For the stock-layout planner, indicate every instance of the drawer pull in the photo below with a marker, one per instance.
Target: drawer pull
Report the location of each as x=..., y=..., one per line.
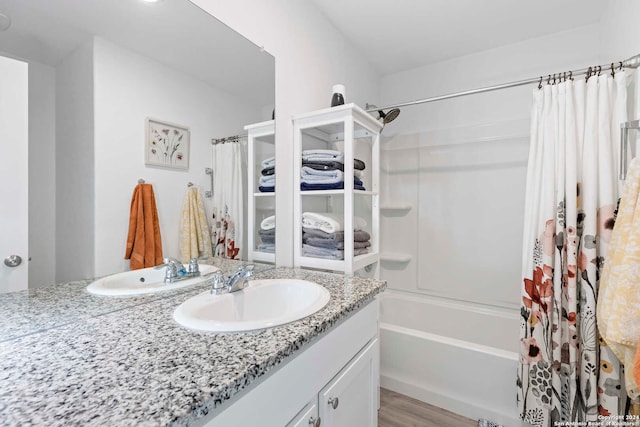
x=315, y=422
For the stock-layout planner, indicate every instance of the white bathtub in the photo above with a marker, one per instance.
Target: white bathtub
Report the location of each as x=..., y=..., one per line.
x=454, y=355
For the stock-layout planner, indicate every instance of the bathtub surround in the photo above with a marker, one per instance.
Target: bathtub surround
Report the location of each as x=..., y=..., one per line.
x=135, y=366
x=571, y=196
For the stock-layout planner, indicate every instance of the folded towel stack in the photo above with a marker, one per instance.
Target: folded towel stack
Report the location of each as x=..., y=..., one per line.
x=267, y=182
x=267, y=234
x=323, y=170
x=323, y=236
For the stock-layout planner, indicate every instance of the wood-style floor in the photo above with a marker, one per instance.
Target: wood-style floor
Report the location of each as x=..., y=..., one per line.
x=398, y=410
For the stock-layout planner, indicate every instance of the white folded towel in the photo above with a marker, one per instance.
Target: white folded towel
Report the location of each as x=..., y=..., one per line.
x=268, y=223
x=267, y=163
x=329, y=223
x=313, y=176
x=333, y=155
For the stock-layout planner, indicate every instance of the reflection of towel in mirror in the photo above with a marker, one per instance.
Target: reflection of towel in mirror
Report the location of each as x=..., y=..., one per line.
x=144, y=244
x=332, y=244
x=316, y=252
x=268, y=171
x=338, y=236
x=268, y=223
x=267, y=247
x=267, y=236
x=329, y=223
x=267, y=181
x=267, y=163
x=195, y=238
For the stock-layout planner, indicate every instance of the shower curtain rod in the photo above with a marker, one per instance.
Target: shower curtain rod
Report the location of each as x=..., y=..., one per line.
x=632, y=62
x=234, y=138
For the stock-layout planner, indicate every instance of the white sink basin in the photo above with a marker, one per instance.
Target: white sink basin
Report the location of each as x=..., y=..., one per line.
x=142, y=281
x=262, y=304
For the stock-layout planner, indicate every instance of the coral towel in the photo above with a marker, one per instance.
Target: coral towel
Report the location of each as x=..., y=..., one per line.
x=144, y=244
x=195, y=239
x=618, y=297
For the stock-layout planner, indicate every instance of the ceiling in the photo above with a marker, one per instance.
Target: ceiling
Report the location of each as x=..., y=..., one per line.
x=403, y=34
x=176, y=33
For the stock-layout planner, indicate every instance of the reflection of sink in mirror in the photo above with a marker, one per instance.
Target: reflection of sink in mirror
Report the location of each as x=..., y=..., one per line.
x=262, y=304
x=143, y=281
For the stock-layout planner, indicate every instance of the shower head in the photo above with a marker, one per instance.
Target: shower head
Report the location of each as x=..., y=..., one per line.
x=389, y=116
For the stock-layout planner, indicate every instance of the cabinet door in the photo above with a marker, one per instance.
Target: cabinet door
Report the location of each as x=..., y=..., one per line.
x=308, y=417
x=349, y=400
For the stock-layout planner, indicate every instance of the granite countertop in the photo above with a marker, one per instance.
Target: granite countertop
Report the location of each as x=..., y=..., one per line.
x=131, y=364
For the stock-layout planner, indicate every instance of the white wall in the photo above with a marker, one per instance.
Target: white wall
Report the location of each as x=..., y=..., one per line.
x=129, y=88
x=311, y=56
x=74, y=166
x=42, y=174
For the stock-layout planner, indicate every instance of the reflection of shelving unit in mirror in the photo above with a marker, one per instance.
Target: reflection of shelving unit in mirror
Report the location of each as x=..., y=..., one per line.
x=351, y=133
x=261, y=207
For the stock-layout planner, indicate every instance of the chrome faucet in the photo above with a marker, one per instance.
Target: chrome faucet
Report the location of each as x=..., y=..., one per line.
x=233, y=283
x=175, y=270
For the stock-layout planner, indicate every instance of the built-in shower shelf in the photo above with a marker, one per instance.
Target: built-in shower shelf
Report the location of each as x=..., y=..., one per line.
x=395, y=257
x=395, y=209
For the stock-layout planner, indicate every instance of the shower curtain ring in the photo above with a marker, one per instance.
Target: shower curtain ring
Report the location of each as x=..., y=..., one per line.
x=540, y=83
x=549, y=79
x=570, y=75
x=589, y=71
x=599, y=69
x=613, y=72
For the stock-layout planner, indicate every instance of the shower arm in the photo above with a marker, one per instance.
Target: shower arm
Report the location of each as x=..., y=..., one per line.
x=632, y=62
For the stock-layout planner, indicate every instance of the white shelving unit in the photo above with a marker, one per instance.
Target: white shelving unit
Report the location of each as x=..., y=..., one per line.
x=260, y=146
x=351, y=130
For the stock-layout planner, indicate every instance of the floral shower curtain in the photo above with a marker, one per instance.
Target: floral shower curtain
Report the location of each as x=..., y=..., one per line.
x=566, y=372
x=229, y=162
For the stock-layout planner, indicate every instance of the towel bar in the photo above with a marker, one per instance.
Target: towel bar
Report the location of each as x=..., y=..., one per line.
x=624, y=143
x=209, y=171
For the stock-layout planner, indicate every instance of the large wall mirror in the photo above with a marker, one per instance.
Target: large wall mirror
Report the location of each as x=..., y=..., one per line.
x=97, y=70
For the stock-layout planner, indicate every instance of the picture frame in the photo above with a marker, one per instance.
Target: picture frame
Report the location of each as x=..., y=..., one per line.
x=166, y=144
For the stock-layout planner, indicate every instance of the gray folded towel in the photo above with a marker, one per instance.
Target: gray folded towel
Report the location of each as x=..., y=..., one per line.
x=336, y=254
x=338, y=236
x=332, y=244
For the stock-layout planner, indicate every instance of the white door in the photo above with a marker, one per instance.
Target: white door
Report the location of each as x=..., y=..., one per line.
x=14, y=175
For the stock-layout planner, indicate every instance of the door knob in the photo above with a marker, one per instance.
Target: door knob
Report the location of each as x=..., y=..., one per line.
x=13, y=261
x=333, y=402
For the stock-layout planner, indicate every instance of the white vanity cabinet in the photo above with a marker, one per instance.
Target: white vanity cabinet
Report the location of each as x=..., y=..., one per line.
x=340, y=369
x=260, y=146
x=354, y=134
x=350, y=399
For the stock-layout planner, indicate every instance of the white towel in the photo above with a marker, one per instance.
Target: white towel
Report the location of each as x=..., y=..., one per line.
x=313, y=176
x=329, y=223
x=333, y=155
x=267, y=163
x=269, y=223
x=267, y=181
